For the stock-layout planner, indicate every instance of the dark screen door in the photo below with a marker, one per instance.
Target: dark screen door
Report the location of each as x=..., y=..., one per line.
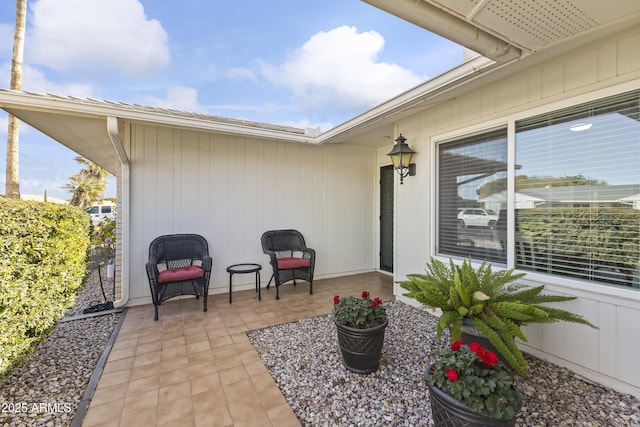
x=386, y=218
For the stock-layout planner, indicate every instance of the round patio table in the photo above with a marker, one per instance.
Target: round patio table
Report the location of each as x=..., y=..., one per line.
x=242, y=269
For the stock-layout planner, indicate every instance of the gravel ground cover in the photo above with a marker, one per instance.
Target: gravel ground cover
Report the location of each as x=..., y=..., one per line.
x=304, y=359
x=48, y=388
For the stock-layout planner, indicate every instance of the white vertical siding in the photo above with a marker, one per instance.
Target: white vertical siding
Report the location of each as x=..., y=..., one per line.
x=608, y=354
x=231, y=189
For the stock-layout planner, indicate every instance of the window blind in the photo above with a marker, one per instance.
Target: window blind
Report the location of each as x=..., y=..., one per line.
x=472, y=173
x=578, y=191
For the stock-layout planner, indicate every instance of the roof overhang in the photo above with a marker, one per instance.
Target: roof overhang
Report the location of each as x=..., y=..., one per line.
x=89, y=127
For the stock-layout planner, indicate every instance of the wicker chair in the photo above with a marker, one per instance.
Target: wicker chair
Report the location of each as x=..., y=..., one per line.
x=179, y=264
x=290, y=257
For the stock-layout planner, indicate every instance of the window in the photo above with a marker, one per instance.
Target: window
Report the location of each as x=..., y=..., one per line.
x=472, y=177
x=577, y=193
x=577, y=199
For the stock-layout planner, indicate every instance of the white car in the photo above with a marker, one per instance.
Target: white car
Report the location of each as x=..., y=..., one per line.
x=477, y=217
x=99, y=212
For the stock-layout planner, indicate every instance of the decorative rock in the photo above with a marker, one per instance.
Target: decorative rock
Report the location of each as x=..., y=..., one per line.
x=397, y=395
x=49, y=386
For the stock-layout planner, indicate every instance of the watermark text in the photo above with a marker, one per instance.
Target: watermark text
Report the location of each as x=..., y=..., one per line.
x=36, y=407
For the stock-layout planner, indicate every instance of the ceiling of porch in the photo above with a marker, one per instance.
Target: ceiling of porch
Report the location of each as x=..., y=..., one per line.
x=536, y=25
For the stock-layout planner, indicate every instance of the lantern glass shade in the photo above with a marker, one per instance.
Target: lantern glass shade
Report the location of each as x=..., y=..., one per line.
x=401, y=156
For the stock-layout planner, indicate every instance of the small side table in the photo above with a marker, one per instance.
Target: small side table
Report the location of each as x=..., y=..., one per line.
x=242, y=269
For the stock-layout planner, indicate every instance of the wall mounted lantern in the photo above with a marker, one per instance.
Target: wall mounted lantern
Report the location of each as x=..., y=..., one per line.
x=401, y=156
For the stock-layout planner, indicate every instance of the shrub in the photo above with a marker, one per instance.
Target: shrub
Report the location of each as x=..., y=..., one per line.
x=43, y=264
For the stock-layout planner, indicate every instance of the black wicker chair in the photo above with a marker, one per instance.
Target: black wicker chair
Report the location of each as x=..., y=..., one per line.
x=179, y=264
x=290, y=257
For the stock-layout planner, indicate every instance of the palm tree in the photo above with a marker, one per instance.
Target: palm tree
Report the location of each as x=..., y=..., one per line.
x=92, y=170
x=82, y=189
x=88, y=185
x=12, y=185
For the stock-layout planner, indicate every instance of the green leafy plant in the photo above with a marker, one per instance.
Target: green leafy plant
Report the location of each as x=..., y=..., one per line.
x=43, y=264
x=495, y=305
x=103, y=239
x=361, y=313
x=477, y=379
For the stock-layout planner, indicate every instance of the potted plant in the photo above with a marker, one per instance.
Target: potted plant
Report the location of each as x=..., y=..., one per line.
x=488, y=302
x=470, y=386
x=360, y=323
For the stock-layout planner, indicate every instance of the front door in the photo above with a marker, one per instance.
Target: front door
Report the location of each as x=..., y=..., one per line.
x=386, y=218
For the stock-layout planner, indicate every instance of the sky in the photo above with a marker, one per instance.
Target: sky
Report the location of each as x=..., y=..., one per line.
x=311, y=64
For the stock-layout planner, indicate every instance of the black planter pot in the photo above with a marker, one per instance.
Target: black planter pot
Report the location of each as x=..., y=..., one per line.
x=361, y=348
x=471, y=334
x=449, y=412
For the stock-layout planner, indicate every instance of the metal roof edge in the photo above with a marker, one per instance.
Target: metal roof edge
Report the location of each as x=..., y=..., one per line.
x=88, y=107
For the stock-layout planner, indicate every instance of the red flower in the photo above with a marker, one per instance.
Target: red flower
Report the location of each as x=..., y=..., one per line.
x=456, y=345
x=452, y=374
x=336, y=299
x=490, y=359
x=477, y=349
x=365, y=294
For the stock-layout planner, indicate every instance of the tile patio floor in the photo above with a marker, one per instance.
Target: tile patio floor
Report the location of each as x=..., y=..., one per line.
x=198, y=369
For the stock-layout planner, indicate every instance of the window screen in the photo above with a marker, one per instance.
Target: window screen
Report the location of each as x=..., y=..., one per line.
x=578, y=191
x=472, y=184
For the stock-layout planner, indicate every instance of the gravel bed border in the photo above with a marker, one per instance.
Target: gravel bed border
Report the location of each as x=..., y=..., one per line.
x=304, y=359
x=54, y=386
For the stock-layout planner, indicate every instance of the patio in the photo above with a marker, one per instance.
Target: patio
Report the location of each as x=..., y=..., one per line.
x=198, y=369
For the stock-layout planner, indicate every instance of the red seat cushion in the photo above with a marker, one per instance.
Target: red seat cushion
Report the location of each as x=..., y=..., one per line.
x=287, y=263
x=179, y=274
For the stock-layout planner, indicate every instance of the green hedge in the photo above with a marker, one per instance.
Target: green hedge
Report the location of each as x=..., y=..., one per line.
x=42, y=266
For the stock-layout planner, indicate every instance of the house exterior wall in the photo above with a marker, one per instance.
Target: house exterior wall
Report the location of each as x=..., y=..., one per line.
x=230, y=189
x=604, y=68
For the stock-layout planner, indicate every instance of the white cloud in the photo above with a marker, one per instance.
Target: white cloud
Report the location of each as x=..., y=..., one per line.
x=340, y=67
x=54, y=187
x=96, y=36
x=239, y=73
x=34, y=80
x=178, y=98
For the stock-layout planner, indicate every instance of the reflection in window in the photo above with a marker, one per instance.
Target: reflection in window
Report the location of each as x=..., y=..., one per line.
x=578, y=191
x=472, y=175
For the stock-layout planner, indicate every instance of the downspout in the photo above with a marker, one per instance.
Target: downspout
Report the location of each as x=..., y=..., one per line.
x=437, y=21
x=123, y=211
